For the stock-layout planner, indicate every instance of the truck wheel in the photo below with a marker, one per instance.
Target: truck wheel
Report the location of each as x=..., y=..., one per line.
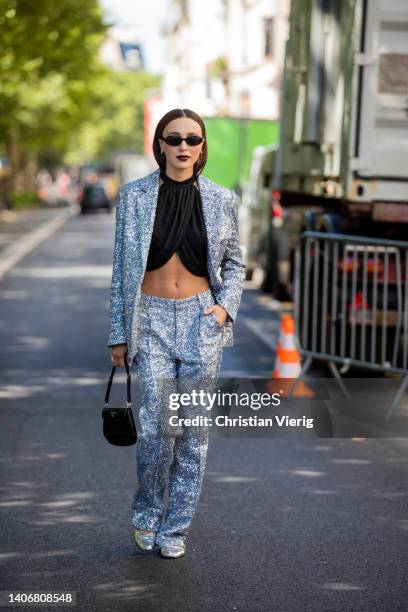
x=308, y=222
x=330, y=223
x=270, y=268
x=249, y=273
x=276, y=252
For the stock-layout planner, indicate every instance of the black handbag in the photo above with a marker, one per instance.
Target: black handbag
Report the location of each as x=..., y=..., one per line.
x=118, y=424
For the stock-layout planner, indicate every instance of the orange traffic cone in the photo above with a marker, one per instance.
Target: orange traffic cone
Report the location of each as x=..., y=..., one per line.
x=288, y=362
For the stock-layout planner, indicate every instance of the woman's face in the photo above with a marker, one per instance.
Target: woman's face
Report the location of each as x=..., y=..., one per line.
x=182, y=126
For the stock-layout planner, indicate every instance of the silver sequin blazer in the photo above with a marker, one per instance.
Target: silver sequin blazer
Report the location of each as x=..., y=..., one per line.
x=135, y=214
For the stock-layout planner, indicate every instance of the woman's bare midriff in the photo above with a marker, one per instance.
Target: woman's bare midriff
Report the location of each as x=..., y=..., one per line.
x=173, y=280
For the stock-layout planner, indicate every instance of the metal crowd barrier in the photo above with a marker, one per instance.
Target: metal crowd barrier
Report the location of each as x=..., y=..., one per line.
x=351, y=304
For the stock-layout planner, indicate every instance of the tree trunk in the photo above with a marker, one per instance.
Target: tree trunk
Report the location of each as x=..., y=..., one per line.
x=15, y=159
x=31, y=170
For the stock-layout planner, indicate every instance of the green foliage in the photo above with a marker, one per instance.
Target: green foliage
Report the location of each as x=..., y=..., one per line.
x=219, y=66
x=25, y=200
x=115, y=121
x=44, y=44
x=56, y=98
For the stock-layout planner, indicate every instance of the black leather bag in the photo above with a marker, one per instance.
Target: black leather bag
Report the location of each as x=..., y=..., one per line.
x=118, y=424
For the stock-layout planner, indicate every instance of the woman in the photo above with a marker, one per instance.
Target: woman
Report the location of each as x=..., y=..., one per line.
x=171, y=315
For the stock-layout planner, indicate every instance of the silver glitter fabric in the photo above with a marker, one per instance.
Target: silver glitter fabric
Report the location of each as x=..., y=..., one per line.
x=178, y=345
x=135, y=214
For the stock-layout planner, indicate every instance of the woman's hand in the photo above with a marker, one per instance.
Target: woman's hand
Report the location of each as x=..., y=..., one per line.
x=118, y=353
x=222, y=313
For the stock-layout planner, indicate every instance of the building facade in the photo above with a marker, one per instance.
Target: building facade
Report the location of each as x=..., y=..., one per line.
x=225, y=57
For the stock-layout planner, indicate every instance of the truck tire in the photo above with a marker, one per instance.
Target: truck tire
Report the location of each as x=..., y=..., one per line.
x=276, y=251
x=330, y=223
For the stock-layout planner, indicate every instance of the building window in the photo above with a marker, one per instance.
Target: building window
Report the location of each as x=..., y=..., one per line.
x=208, y=88
x=268, y=36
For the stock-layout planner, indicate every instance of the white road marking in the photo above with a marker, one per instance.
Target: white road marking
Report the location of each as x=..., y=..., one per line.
x=16, y=251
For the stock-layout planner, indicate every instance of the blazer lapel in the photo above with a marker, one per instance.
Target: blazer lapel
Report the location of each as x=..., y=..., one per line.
x=211, y=218
x=147, y=202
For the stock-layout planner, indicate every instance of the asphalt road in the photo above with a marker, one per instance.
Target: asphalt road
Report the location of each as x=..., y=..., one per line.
x=283, y=525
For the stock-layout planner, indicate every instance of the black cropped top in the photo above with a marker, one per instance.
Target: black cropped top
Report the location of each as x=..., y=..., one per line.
x=179, y=227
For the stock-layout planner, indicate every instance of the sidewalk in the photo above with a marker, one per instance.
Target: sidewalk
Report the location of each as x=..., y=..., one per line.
x=21, y=231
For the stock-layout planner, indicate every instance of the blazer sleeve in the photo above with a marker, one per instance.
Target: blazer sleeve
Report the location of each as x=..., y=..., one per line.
x=117, y=328
x=232, y=266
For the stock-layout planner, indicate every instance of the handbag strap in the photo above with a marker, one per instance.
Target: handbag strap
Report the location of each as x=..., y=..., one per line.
x=128, y=382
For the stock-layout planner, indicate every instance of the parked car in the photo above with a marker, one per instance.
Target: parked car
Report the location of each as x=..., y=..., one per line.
x=94, y=196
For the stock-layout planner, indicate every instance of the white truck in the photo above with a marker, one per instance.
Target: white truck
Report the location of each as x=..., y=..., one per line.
x=342, y=161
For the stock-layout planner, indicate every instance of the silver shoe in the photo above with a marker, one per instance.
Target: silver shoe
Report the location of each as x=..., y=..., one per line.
x=173, y=551
x=145, y=541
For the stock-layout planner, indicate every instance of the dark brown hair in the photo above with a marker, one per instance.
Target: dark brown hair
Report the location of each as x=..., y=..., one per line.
x=175, y=114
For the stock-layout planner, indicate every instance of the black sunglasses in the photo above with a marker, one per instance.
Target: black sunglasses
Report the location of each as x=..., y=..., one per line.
x=174, y=140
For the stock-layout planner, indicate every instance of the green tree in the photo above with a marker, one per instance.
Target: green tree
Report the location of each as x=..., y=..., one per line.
x=116, y=118
x=48, y=63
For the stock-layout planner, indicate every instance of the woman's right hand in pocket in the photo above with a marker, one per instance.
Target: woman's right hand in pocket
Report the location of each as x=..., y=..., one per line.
x=119, y=354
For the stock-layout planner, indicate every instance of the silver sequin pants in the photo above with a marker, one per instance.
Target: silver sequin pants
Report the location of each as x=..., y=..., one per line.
x=178, y=346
